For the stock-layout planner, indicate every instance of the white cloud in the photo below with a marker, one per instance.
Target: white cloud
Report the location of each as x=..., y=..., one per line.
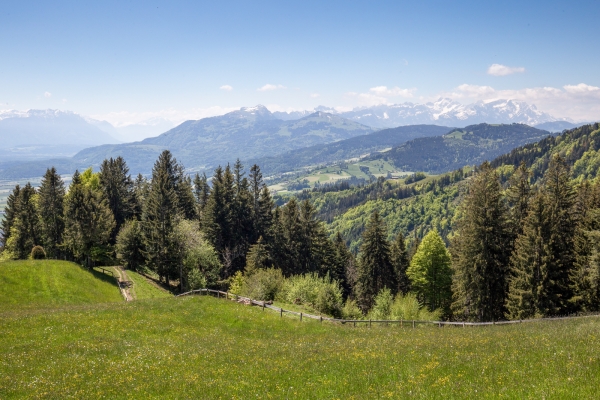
x=227, y=88
x=315, y=95
x=579, y=102
x=381, y=95
x=47, y=94
x=503, y=70
x=268, y=87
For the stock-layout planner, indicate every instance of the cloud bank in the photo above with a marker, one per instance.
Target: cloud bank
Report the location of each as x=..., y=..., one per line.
x=503, y=70
x=269, y=87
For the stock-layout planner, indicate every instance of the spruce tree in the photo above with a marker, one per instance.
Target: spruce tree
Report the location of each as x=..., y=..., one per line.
x=400, y=261
x=342, y=263
x=482, y=251
x=118, y=189
x=88, y=222
x=161, y=211
x=51, y=212
x=201, y=192
x=258, y=257
x=430, y=273
x=518, y=195
x=25, y=230
x=130, y=245
x=375, y=270
x=10, y=211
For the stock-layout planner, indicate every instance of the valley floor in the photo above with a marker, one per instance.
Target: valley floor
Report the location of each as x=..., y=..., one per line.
x=201, y=347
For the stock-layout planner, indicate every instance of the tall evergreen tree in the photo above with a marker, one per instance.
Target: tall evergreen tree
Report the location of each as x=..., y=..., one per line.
x=544, y=257
x=51, y=212
x=375, y=270
x=518, y=195
x=201, y=191
x=400, y=261
x=25, y=231
x=118, y=189
x=88, y=222
x=482, y=251
x=10, y=211
x=161, y=211
x=430, y=273
x=344, y=262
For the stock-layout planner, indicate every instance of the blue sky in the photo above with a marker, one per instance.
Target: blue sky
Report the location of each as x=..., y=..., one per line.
x=128, y=61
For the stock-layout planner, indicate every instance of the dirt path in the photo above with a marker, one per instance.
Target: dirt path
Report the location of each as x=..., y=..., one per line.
x=125, y=283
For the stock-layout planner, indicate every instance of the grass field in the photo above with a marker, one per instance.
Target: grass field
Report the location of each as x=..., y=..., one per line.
x=143, y=289
x=201, y=347
x=45, y=284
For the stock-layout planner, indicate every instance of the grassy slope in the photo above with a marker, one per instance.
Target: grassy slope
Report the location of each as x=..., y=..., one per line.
x=144, y=289
x=48, y=283
x=199, y=347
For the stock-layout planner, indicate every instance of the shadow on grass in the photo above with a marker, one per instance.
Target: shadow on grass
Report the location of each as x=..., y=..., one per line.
x=103, y=276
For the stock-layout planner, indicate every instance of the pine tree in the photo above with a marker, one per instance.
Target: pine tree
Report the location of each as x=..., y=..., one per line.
x=201, y=191
x=140, y=192
x=10, y=210
x=482, y=251
x=375, y=270
x=400, y=261
x=529, y=262
x=430, y=273
x=258, y=257
x=130, y=245
x=88, y=221
x=161, y=211
x=51, y=212
x=342, y=263
x=242, y=218
x=544, y=258
x=25, y=230
x=118, y=189
x=518, y=195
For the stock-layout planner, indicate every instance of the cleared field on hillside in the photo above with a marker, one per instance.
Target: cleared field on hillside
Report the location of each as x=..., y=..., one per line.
x=49, y=283
x=201, y=347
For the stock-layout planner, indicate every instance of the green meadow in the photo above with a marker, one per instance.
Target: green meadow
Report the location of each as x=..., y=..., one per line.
x=69, y=346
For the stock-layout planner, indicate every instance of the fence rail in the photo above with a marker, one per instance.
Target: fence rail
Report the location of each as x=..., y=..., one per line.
x=413, y=323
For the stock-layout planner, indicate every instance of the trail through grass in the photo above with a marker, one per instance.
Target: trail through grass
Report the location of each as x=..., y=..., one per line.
x=201, y=347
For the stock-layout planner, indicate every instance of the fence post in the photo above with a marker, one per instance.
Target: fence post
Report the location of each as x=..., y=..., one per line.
x=263, y=305
x=400, y=322
x=300, y=317
x=321, y=318
x=281, y=312
x=439, y=324
x=413, y=323
x=369, y=322
x=355, y=323
x=463, y=324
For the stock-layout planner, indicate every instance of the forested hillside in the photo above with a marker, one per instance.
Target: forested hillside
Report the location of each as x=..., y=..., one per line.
x=346, y=149
x=468, y=146
x=516, y=238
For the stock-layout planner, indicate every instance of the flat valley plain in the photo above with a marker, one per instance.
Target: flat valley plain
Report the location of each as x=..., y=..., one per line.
x=202, y=347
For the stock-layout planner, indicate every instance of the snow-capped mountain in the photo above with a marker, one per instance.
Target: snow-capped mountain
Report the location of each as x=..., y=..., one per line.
x=447, y=112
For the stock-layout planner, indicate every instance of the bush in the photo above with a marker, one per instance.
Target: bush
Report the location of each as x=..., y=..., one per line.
x=236, y=283
x=402, y=307
x=196, y=280
x=38, y=253
x=322, y=294
x=351, y=310
x=264, y=284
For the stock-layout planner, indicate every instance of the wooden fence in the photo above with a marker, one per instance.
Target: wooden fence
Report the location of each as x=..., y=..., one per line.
x=411, y=323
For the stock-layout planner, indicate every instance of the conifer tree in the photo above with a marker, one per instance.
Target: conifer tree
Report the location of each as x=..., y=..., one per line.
x=518, y=195
x=482, y=251
x=430, y=273
x=51, y=212
x=375, y=270
x=117, y=187
x=140, y=192
x=10, y=211
x=130, y=245
x=400, y=261
x=242, y=218
x=88, y=221
x=161, y=210
x=344, y=262
x=24, y=229
x=258, y=257
x=529, y=262
x=201, y=191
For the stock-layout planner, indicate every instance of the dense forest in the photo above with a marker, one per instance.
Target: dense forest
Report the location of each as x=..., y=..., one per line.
x=515, y=238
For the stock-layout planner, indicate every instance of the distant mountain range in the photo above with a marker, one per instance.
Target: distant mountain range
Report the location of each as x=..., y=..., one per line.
x=444, y=111
x=47, y=133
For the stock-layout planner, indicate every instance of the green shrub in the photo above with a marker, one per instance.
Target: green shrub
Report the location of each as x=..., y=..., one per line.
x=38, y=253
x=236, y=283
x=402, y=307
x=351, y=310
x=196, y=280
x=264, y=284
x=322, y=294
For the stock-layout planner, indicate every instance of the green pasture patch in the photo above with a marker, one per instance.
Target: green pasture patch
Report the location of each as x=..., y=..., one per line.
x=144, y=289
x=51, y=283
x=201, y=347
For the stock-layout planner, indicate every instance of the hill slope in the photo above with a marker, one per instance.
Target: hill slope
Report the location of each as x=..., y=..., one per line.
x=345, y=149
x=209, y=348
x=469, y=146
x=50, y=283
